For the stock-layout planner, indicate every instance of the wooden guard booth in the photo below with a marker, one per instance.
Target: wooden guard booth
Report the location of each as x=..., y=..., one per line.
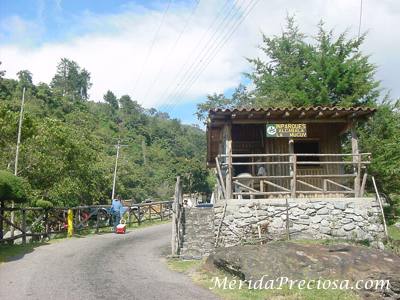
x=286, y=152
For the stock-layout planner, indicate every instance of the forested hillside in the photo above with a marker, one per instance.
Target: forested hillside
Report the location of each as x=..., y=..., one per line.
x=68, y=143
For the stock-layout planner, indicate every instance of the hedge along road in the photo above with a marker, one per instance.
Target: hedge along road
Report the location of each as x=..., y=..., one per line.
x=107, y=266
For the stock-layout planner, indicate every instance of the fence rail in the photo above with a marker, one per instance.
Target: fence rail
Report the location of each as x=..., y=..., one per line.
x=289, y=174
x=37, y=223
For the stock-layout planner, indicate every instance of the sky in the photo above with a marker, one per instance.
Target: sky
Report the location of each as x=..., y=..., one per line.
x=171, y=54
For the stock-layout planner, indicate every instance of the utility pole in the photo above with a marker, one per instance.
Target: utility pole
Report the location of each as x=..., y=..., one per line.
x=21, y=114
x=115, y=168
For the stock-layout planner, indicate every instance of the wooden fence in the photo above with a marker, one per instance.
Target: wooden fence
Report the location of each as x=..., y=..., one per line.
x=293, y=175
x=38, y=223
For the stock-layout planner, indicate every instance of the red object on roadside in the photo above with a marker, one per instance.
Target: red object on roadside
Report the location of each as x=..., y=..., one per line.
x=121, y=228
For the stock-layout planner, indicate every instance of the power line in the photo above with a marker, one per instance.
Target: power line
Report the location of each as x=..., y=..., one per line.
x=157, y=77
x=187, y=61
x=205, y=51
x=207, y=54
x=152, y=45
x=216, y=50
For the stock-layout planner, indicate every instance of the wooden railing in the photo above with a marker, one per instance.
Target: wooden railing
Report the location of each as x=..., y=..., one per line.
x=292, y=175
x=38, y=223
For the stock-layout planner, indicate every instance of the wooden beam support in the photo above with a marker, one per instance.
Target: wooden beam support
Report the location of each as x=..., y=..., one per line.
x=356, y=160
x=227, y=140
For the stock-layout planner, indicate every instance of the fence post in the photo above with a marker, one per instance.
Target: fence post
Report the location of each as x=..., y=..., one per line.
x=23, y=226
x=129, y=215
x=1, y=219
x=46, y=223
x=161, y=211
x=175, y=219
x=97, y=221
x=149, y=208
x=139, y=214
x=294, y=175
x=287, y=220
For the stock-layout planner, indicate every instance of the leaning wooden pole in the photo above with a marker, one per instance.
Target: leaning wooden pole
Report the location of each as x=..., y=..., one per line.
x=381, y=206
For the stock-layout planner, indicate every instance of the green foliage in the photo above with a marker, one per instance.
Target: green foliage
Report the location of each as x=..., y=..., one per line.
x=381, y=137
x=13, y=188
x=43, y=203
x=71, y=81
x=68, y=146
x=111, y=99
x=294, y=72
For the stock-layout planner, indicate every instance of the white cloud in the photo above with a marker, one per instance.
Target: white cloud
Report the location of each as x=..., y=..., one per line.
x=115, y=47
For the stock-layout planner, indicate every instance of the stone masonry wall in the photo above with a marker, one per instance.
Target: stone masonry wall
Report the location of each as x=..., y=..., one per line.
x=198, y=232
x=309, y=218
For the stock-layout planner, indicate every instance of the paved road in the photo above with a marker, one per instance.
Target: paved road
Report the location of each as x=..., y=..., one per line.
x=105, y=266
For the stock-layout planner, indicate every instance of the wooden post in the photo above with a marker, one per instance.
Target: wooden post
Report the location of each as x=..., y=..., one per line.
x=381, y=206
x=1, y=219
x=149, y=209
x=293, y=168
x=287, y=220
x=174, y=237
x=325, y=185
x=356, y=160
x=23, y=226
x=46, y=223
x=97, y=221
x=161, y=211
x=364, y=181
x=139, y=214
x=228, y=151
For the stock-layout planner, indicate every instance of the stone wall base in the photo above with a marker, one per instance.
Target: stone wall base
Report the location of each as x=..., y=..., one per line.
x=357, y=219
x=198, y=232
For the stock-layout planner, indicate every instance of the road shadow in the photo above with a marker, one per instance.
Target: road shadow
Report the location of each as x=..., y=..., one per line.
x=10, y=253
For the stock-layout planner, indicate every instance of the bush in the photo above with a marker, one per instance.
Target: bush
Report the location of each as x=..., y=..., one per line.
x=13, y=188
x=43, y=203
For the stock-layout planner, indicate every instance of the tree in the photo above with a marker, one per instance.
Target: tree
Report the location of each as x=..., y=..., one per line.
x=70, y=80
x=111, y=99
x=2, y=72
x=25, y=79
x=381, y=136
x=293, y=72
x=240, y=98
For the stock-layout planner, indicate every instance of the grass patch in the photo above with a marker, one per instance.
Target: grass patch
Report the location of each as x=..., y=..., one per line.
x=204, y=278
x=394, y=233
x=184, y=266
x=9, y=251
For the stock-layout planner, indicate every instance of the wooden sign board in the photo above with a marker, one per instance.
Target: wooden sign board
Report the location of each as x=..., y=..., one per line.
x=286, y=130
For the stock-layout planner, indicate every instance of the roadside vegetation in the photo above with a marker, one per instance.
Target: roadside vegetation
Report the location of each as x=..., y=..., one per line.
x=67, y=152
x=203, y=276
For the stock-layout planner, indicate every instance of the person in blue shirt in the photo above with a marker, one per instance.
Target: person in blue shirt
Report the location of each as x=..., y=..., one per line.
x=116, y=211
